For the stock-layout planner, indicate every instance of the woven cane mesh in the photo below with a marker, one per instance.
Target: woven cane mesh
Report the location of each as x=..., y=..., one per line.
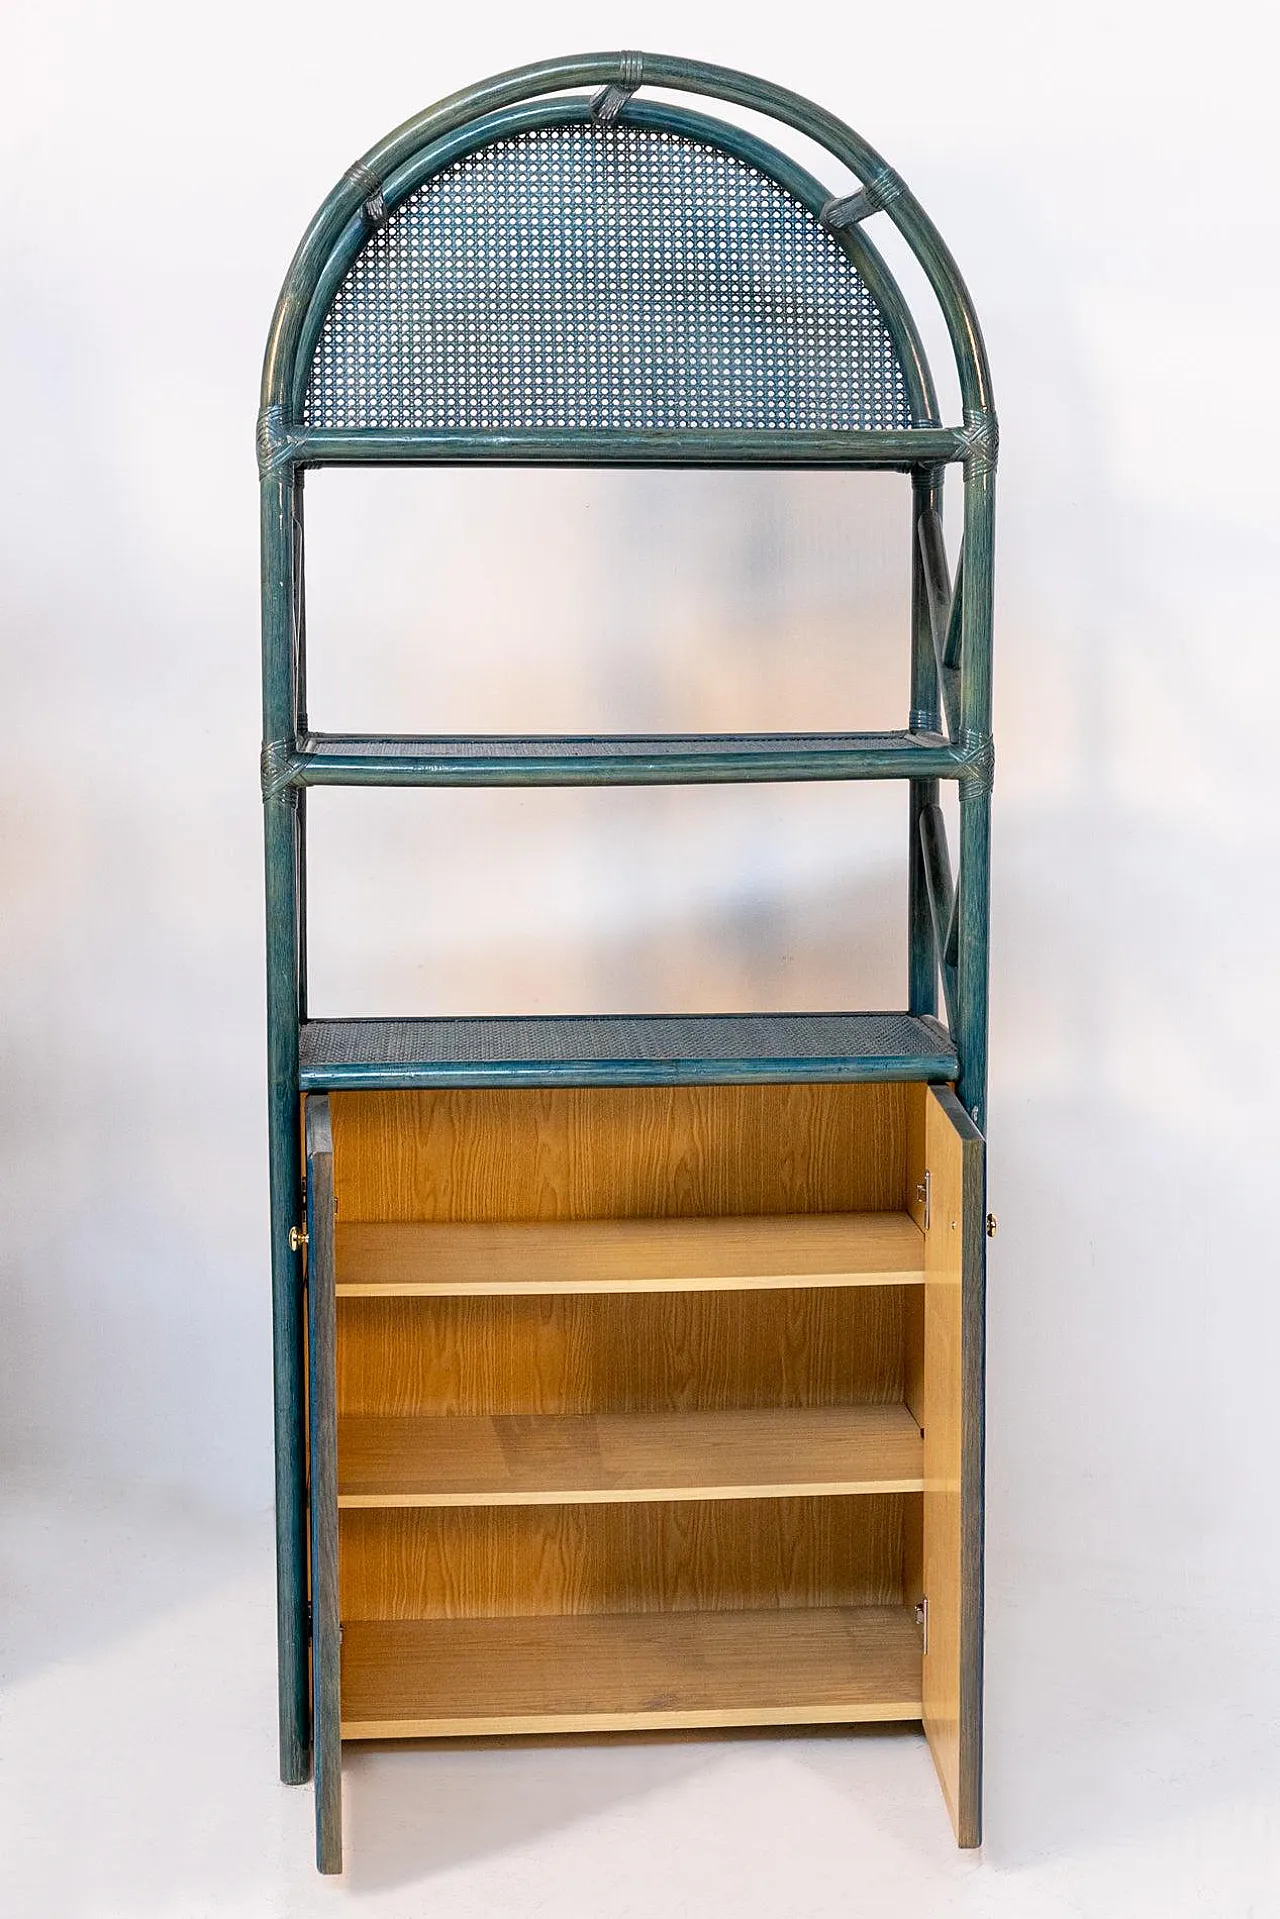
x=592, y=278
x=661, y=1042
x=606, y=746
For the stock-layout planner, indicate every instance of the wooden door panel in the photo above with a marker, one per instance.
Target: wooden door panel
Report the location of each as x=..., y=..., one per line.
x=951, y=1413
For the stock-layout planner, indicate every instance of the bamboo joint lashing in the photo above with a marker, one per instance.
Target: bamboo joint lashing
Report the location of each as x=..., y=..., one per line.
x=610, y=101
x=274, y=446
x=978, y=442
x=279, y=763
x=880, y=191
x=977, y=764
x=369, y=186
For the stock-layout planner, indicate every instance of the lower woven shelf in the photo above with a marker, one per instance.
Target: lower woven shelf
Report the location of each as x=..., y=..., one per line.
x=618, y=1672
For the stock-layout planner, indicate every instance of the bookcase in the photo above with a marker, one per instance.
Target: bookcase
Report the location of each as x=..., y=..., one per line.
x=629, y=1370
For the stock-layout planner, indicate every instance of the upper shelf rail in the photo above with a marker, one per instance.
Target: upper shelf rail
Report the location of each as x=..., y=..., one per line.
x=689, y=759
x=899, y=450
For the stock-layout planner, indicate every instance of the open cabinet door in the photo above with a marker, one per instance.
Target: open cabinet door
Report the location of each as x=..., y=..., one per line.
x=952, y=1417
x=326, y=1657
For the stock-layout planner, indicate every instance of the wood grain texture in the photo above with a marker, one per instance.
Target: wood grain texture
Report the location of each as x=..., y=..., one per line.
x=633, y=1353
x=629, y=1255
x=912, y=1307
x=662, y=1152
x=621, y=1456
x=952, y=1418
x=419, y=1678
x=455, y=1562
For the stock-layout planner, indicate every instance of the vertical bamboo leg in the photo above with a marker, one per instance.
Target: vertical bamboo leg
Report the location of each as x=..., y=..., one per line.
x=299, y=649
x=284, y=1143
x=284, y=1149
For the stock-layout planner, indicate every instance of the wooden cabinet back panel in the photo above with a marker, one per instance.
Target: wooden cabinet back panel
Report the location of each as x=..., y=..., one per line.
x=620, y=1152
x=631, y=1352
x=490, y=1561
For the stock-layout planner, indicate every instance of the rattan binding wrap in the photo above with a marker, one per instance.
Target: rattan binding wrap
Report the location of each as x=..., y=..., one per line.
x=597, y=277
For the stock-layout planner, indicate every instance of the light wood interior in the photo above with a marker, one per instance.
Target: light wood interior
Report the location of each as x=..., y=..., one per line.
x=630, y=1387
x=619, y=1152
x=427, y=1678
x=452, y=1562
x=944, y=1414
x=638, y=1352
x=736, y=1254
x=539, y=1460
x=446, y=1678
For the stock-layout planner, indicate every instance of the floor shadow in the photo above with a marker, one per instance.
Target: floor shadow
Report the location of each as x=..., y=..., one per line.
x=415, y=1811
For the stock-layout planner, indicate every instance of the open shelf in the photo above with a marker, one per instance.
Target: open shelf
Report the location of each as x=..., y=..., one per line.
x=334, y=759
x=541, y=1459
x=625, y=1050
x=432, y=1261
x=617, y=1672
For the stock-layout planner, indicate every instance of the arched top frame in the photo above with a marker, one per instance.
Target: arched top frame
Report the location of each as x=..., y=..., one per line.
x=516, y=102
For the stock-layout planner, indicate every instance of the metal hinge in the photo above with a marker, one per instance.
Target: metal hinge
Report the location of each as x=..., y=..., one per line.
x=922, y=1620
x=924, y=1196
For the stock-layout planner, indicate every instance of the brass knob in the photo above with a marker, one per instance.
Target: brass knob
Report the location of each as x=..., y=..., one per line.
x=298, y=1238
x=993, y=1225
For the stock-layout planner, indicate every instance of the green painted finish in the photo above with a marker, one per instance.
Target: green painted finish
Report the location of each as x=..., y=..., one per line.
x=925, y=717
x=284, y=1006
x=370, y=447
x=950, y=684
x=330, y=760
x=940, y=892
x=621, y=1050
x=512, y=121
x=326, y=1637
x=365, y=182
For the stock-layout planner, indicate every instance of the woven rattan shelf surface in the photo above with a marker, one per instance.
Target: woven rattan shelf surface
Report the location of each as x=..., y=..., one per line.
x=622, y=1049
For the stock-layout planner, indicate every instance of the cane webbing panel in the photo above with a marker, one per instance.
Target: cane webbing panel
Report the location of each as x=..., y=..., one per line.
x=592, y=278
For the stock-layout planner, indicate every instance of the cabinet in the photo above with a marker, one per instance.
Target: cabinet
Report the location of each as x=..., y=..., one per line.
x=629, y=1370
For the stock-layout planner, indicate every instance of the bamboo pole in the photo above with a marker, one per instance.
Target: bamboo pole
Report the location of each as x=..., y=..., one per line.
x=280, y=820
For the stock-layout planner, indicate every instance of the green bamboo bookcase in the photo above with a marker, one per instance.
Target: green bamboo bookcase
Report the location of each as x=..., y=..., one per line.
x=628, y=1371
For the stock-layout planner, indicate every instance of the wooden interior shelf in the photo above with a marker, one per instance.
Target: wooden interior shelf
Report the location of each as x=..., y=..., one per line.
x=550, y=1460
x=614, y=1672
x=436, y=1260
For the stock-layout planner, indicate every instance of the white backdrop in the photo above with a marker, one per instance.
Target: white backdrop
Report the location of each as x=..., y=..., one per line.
x=1105, y=176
